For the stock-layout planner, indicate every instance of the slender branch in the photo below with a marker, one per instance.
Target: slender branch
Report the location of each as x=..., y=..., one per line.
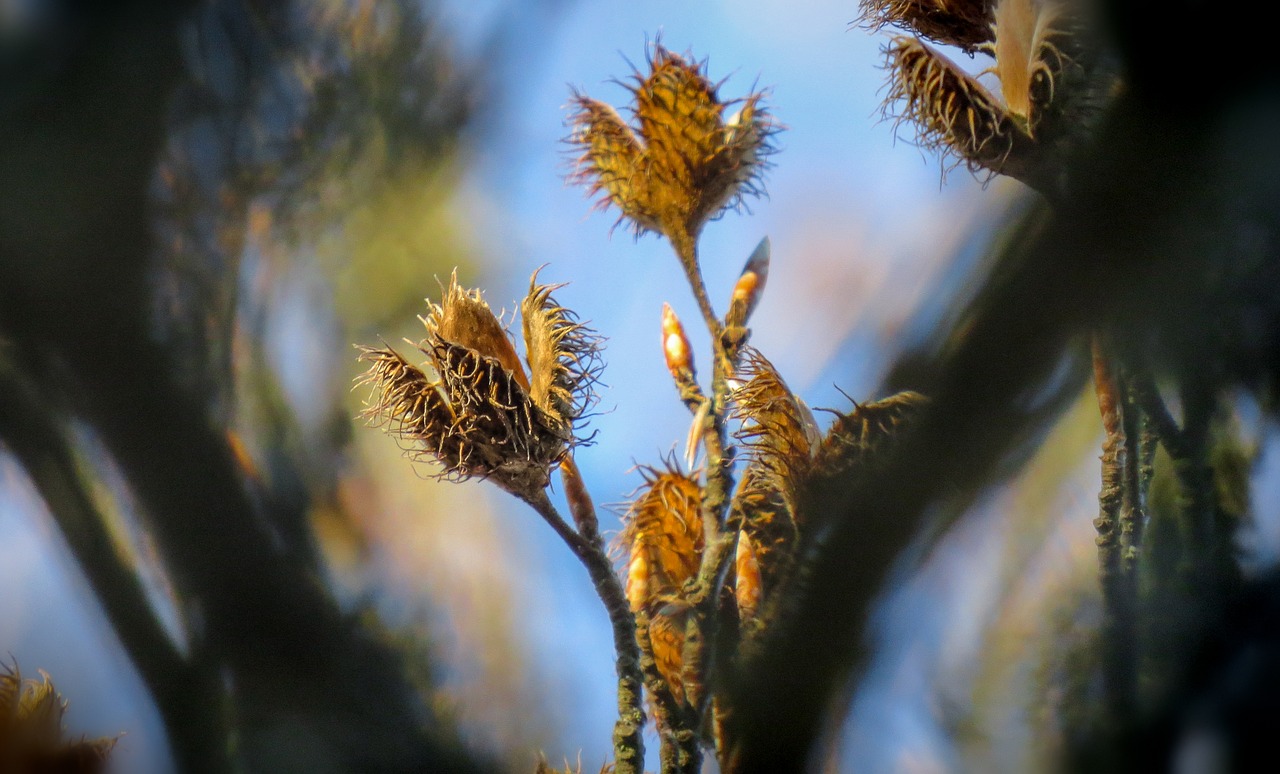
x=628, y=744
x=701, y=630
x=1143, y=391
x=1118, y=640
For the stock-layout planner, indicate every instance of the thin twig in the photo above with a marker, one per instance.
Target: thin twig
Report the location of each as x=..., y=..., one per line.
x=628, y=744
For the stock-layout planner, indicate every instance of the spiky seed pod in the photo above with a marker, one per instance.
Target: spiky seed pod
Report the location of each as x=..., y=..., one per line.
x=612, y=162
x=778, y=428
x=962, y=23
x=563, y=354
x=687, y=164
x=472, y=410
x=662, y=534
x=952, y=112
x=856, y=447
x=31, y=733
x=747, y=583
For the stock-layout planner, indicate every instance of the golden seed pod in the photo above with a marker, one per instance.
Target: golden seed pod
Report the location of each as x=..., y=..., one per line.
x=768, y=522
x=31, y=733
x=952, y=112
x=685, y=164
x=962, y=23
x=675, y=346
x=662, y=532
x=473, y=409
x=778, y=428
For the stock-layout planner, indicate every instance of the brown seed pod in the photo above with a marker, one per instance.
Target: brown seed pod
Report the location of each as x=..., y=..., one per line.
x=952, y=112
x=962, y=23
x=747, y=583
x=662, y=533
x=667, y=636
x=31, y=733
x=768, y=522
x=778, y=428
x=473, y=409
x=867, y=431
x=612, y=162
x=685, y=164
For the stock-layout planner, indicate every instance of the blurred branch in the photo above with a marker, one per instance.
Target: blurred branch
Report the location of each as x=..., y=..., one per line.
x=1130, y=244
x=76, y=158
x=188, y=696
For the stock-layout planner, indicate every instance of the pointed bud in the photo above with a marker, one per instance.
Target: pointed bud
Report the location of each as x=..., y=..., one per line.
x=750, y=285
x=675, y=345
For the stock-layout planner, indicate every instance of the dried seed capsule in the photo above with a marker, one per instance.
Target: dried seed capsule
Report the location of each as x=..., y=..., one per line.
x=473, y=409
x=685, y=164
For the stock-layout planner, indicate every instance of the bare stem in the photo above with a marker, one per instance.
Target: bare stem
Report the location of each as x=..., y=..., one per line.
x=628, y=745
x=1118, y=674
x=701, y=634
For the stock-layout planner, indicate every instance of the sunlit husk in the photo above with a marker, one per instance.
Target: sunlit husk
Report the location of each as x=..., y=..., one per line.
x=667, y=637
x=767, y=520
x=462, y=317
x=473, y=409
x=563, y=355
x=612, y=162
x=778, y=428
x=662, y=532
x=687, y=163
x=962, y=23
x=951, y=111
x=748, y=586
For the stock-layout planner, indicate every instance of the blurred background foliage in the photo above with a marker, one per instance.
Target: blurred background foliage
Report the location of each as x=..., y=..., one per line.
x=205, y=203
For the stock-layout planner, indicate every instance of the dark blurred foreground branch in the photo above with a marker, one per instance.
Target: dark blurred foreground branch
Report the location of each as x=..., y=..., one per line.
x=1131, y=248
x=309, y=685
